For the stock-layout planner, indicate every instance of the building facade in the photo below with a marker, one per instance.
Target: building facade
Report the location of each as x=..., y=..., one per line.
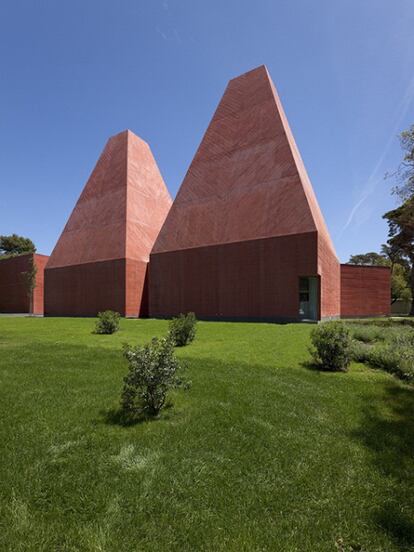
x=16, y=295
x=100, y=261
x=245, y=238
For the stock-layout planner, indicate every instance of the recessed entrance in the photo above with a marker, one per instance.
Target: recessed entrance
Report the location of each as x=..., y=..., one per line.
x=308, y=297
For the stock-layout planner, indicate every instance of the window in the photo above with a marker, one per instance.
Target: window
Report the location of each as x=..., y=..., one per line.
x=304, y=290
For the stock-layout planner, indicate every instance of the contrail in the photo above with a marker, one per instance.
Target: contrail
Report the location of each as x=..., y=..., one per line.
x=373, y=178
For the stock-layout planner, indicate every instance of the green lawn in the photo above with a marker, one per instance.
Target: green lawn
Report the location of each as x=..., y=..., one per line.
x=262, y=453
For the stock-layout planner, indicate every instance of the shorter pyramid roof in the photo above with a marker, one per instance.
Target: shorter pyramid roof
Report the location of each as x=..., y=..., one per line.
x=120, y=210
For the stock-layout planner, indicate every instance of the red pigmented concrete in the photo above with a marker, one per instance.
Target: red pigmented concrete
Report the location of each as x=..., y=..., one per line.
x=14, y=297
x=365, y=291
x=246, y=185
x=100, y=260
x=241, y=280
x=244, y=227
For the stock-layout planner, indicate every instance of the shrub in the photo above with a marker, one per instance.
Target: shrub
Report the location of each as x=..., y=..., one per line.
x=182, y=330
x=152, y=373
x=107, y=323
x=360, y=352
x=382, y=322
x=368, y=334
x=401, y=349
x=332, y=346
x=381, y=357
x=396, y=355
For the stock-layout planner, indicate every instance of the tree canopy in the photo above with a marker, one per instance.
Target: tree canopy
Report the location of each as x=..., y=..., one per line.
x=400, y=242
x=372, y=259
x=15, y=245
x=405, y=172
x=401, y=236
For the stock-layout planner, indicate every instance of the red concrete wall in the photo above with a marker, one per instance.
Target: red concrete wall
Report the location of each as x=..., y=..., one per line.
x=365, y=291
x=100, y=260
x=85, y=289
x=136, y=289
x=256, y=279
x=13, y=288
x=13, y=284
x=38, y=293
x=329, y=269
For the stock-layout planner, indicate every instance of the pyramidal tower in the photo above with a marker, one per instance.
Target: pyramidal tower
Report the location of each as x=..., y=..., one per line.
x=245, y=237
x=100, y=260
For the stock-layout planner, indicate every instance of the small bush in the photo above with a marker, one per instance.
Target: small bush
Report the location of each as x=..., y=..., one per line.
x=401, y=350
x=395, y=355
x=382, y=357
x=332, y=346
x=152, y=373
x=382, y=322
x=360, y=352
x=368, y=334
x=182, y=330
x=107, y=323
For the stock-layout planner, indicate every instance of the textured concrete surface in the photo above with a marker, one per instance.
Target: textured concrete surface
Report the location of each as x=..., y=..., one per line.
x=117, y=217
x=37, y=306
x=85, y=289
x=246, y=180
x=330, y=279
x=365, y=290
x=246, y=183
x=254, y=279
x=14, y=297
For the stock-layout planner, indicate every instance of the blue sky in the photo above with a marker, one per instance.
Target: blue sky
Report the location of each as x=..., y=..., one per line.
x=74, y=73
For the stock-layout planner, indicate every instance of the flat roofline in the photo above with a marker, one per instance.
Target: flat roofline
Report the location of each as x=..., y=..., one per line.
x=18, y=255
x=365, y=266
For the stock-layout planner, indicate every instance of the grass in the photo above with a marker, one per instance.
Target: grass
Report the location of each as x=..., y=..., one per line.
x=261, y=453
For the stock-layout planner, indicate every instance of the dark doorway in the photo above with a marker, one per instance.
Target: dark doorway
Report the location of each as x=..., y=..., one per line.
x=308, y=298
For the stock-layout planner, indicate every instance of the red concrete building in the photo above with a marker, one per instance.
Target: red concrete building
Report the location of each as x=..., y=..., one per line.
x=365, y=291
x=15, y=296
x=245, y=238
x=100, y=260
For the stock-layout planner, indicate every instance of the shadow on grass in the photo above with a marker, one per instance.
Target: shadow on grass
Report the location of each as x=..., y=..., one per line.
x=315, y=367
x=117, y=417
x=388, y=431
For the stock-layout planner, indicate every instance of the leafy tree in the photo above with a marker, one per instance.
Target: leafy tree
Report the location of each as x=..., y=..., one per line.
x=401, y=236
x=400, y=283
x=371, y=259
x=15, y=245
x=405, y=172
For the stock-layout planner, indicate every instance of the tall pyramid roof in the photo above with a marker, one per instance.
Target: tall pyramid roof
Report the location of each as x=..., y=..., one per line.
x=120, y=210
x=247, y=179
